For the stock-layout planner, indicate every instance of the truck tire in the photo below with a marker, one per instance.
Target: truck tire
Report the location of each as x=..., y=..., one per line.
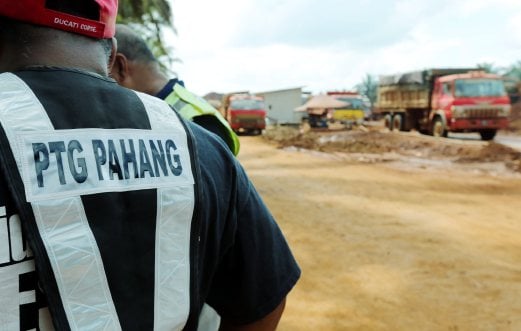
x=397, y=122
x=438, y=128
x=388, y=122
x=487, y=135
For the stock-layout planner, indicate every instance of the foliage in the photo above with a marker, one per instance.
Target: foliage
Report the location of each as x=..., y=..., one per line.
x=150, y=18
x=368, y=88
x=514, y=71
x=512, y=79
x=489, y=67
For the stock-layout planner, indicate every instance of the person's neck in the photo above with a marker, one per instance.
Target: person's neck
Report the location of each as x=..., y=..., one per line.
x=65, y=63
x=88, y=60
x=156, y=80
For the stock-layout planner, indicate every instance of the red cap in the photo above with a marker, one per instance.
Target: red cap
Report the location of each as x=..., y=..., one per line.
x=93, y=18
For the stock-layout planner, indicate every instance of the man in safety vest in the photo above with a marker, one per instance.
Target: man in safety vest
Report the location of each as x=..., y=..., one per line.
x=115, y=213
x=135, y=67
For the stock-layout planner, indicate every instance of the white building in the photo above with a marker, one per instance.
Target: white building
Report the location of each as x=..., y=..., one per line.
x=281, y=104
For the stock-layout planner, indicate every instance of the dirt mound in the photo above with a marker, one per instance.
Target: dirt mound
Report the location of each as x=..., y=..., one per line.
x=409, y=144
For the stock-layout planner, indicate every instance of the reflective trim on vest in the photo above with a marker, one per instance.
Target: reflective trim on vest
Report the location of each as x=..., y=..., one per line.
x=20, y=110
x=175, y=100
x=70, y=244
x=63, y=225
x=209, y=320
x=174, y=216
x=77, y=264
x=187, y=112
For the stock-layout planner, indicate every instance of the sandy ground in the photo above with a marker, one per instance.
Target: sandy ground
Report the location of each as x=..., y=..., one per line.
x=390, y=246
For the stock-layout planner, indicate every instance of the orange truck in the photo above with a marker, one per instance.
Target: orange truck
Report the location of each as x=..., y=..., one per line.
x=245, y=112
x=439, y=101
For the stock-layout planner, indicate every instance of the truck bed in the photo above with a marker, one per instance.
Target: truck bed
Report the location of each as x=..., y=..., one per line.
x=410, y=90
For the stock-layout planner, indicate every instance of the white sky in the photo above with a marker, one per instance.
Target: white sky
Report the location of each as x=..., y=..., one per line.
x=264, y=45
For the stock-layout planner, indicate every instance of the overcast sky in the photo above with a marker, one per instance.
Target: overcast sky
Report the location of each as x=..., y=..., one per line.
x=264, y=45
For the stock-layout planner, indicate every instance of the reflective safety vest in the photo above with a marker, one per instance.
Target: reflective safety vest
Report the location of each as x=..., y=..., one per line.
x=189, y=106
x=50, y=172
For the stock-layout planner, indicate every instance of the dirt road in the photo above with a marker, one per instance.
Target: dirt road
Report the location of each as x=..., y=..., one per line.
x=384, y=248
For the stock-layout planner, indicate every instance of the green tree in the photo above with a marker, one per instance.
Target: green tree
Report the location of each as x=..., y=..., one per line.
x=368, y=88
x=512, y=79
x=150, y=18
x=514, y=71
x=488, y=67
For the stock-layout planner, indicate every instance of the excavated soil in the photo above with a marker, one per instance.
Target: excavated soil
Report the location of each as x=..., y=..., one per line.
x=394, y=231
x=373, y=143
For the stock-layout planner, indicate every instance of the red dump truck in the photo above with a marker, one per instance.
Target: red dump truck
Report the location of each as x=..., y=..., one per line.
x=245, y=112
x=438, y=101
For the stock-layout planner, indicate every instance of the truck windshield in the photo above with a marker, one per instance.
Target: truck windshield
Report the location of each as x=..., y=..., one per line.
x=479, y=88
x=247, y=104
x=354, y=103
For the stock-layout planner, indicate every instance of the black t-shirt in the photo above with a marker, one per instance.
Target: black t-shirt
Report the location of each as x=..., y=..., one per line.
x=209, y=122
x=243, y=267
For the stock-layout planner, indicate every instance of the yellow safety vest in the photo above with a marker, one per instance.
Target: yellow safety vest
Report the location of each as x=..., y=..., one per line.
x=190, y=105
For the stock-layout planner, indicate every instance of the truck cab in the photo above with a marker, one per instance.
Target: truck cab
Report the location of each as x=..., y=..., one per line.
x=470, y=102
x=245, y=112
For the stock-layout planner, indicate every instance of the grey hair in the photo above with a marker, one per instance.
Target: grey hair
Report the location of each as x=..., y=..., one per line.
x=132, y=45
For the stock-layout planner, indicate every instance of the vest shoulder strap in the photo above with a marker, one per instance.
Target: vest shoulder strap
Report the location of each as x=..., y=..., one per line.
x=190, y=105
x=11, y=172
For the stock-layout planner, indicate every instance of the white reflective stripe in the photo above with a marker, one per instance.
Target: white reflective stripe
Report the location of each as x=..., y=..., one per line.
x=209, y=320
x=160, y=115
x=77, y=264
x=68, y=240
x=172, y=271
x=20, y=110
x=173, y=226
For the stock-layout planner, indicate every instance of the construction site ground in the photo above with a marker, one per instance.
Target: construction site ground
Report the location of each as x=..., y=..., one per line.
x=394, y=231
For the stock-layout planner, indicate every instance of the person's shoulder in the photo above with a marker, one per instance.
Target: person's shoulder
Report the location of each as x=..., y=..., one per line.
x=212, y=152
x=150, y=98
x=207, y=141
x=207, y=146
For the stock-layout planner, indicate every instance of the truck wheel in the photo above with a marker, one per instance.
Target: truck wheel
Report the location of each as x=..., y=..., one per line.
x=388, y=122
x=397, y=122
x=438, y=128
x=487, y=134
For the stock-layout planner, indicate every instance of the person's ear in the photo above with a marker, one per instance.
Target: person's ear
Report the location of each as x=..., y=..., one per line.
x=120, y=69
